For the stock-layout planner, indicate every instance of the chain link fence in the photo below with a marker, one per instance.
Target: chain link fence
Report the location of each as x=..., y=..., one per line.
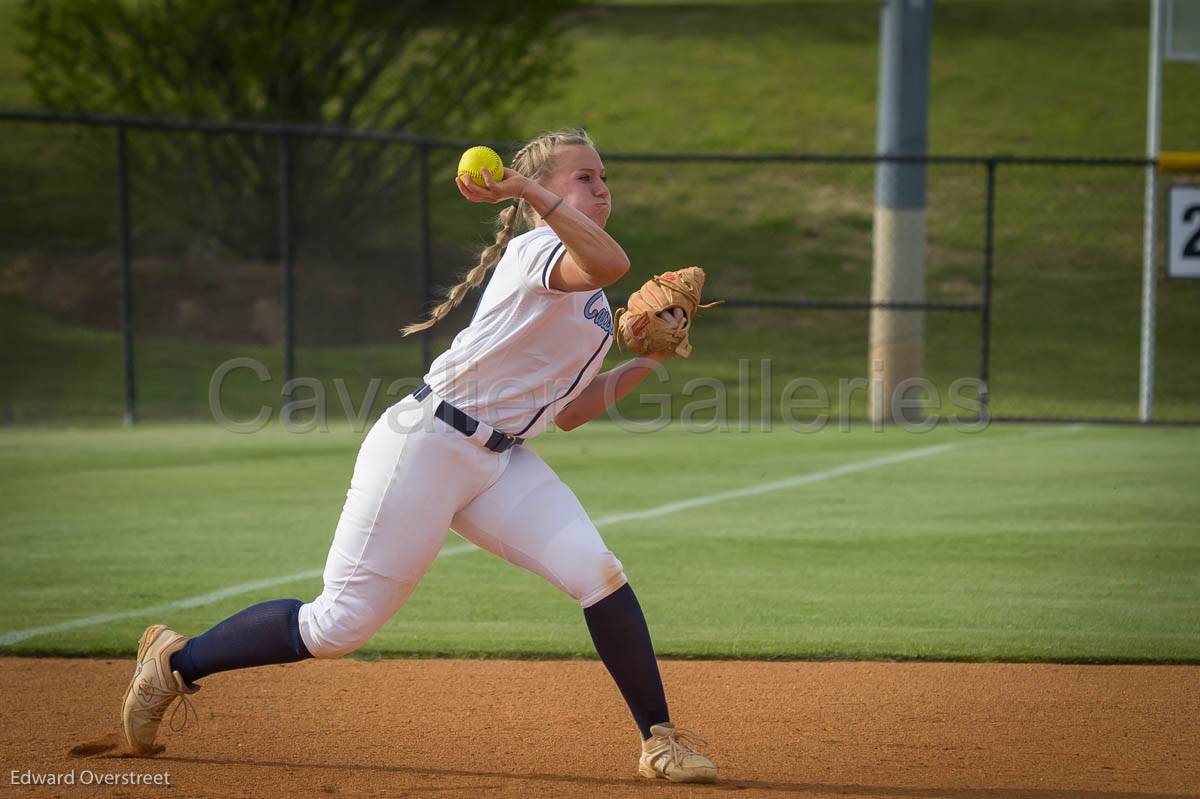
x=146, y=264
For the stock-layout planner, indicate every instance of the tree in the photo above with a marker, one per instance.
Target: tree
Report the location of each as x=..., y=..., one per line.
x=460, y=67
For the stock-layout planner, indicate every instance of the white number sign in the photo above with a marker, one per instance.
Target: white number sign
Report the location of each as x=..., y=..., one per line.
x=1183, y=232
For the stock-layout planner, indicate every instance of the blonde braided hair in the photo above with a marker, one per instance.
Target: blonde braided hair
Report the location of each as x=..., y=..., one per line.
x=535, y=161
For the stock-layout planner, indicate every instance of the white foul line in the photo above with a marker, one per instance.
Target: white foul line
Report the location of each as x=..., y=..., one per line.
x=16, y=636
x=777, y=485
x=816, y=477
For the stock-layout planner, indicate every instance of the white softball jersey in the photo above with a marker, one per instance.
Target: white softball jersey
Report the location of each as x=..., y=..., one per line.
x=528, y=351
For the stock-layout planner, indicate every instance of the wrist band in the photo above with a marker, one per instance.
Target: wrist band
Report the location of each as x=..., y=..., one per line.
x=553, y=208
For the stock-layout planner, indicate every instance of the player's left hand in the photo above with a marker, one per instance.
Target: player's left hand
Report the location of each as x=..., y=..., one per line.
x=509, y=187
x=673, y=317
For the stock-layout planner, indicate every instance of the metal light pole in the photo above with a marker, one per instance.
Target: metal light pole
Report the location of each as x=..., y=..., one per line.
x=1149, y=270
x=897, y=337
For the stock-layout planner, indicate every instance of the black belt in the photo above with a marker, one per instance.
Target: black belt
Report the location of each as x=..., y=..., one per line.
x=498, y=442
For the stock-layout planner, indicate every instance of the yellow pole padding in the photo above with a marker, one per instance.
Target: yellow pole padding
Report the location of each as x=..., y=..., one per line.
x=1179, y=161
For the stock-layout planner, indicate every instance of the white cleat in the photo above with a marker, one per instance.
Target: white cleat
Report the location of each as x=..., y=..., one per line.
x=671, y=754
x=153, y=689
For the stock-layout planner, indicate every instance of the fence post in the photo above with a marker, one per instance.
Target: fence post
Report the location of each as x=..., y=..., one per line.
x=426, y=280
x=125, y=250
x=985, y=323
x=285, y=257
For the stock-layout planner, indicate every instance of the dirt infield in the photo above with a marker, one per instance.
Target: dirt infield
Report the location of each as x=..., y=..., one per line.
x=504, y=728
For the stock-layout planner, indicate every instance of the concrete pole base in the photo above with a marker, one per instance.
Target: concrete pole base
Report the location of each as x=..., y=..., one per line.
x=897, y=339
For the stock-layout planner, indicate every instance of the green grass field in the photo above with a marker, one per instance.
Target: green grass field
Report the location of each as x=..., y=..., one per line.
x=1017, y=543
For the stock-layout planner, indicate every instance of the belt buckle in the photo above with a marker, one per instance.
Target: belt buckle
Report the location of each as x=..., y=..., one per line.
x=499, y=442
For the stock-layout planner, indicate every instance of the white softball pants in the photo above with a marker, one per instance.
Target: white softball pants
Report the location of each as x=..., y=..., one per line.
x=415, y=478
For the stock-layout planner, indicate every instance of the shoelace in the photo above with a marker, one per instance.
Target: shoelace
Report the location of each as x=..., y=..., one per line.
x=189, y=710
x=683, y=743
x=685, y=287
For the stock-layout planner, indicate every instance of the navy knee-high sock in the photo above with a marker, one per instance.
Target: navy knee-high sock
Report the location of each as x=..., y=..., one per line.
x=266, y=633
x=622, y=640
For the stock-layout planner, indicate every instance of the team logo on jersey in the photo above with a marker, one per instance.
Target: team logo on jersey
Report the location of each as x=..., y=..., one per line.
x=601, y=316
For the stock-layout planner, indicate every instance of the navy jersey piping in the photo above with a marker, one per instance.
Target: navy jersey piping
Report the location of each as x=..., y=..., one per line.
x=538, y=415
x=479, y=302
x=549, y=261
x=545, y=281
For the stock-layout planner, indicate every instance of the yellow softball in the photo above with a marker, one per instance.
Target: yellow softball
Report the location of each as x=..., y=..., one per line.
x=477, y=159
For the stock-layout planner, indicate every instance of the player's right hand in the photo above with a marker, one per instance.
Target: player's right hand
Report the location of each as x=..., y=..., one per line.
x=511, y=186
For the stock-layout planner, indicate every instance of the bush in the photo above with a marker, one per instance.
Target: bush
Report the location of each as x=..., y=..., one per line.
x=417, y=65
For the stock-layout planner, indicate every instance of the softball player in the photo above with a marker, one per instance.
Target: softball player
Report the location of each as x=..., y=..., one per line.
x=453, y=455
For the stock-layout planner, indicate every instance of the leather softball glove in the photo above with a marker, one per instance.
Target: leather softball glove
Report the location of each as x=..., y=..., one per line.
x=642, y=326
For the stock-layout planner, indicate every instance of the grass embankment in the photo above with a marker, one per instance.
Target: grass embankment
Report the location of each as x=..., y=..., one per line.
x=1019, y=78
